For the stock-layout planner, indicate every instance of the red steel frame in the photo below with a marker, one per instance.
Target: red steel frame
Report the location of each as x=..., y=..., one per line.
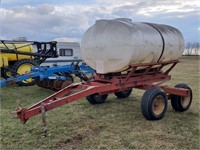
x=141, y=76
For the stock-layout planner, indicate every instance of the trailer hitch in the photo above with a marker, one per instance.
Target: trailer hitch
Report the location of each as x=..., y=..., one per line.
x=20, y=113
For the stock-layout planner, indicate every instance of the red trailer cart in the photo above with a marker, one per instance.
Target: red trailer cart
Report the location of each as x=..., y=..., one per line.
x=147, y=76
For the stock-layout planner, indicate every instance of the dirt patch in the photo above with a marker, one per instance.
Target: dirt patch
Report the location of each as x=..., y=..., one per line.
x=75, y=141
x=71, y=143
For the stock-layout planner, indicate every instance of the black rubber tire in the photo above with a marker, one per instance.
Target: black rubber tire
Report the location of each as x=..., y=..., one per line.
x=96, y=98
x=147, y=104
x=18, y=64
x=123, y=94
x=177, y=101
x=4, y=73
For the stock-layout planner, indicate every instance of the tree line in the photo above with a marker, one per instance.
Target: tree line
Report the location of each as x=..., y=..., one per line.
x=192, y=48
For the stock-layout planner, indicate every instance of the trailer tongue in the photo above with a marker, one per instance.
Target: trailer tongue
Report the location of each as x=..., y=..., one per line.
x=154, y=100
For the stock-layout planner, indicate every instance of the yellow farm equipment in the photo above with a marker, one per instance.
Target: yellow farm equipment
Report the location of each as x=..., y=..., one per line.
x=17, y=58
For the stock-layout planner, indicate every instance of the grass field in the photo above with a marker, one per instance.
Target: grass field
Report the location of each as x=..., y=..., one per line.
x=116, y=124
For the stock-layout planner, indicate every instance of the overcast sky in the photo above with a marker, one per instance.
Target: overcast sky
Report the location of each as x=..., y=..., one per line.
x=66, y=20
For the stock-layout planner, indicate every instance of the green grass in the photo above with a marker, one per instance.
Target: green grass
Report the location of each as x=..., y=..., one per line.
x=116, y=124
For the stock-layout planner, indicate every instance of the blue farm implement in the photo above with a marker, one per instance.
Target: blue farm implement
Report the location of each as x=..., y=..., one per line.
x=54, y=78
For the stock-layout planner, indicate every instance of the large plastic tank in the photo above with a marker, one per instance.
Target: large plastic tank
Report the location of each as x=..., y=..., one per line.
x=112, y=45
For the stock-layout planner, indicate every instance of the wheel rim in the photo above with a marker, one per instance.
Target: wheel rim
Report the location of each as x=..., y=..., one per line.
x=23, y=69
x=185, y=101
x=158, y=105
x=8, y=74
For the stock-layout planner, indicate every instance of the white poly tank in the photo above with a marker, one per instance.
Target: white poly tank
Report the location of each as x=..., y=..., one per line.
x=112, y=45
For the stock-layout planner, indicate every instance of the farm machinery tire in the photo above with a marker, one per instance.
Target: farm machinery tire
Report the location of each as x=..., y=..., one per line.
x=123, y=94
x=180, y=103
x=154, y=104
x=96, y=98
x=23, y=66
x=5, y=73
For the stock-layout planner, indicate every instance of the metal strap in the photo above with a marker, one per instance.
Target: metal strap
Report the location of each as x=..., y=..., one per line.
x=163, y=41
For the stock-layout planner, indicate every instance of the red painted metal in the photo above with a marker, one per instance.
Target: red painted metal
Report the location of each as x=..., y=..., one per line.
x=141, y=76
